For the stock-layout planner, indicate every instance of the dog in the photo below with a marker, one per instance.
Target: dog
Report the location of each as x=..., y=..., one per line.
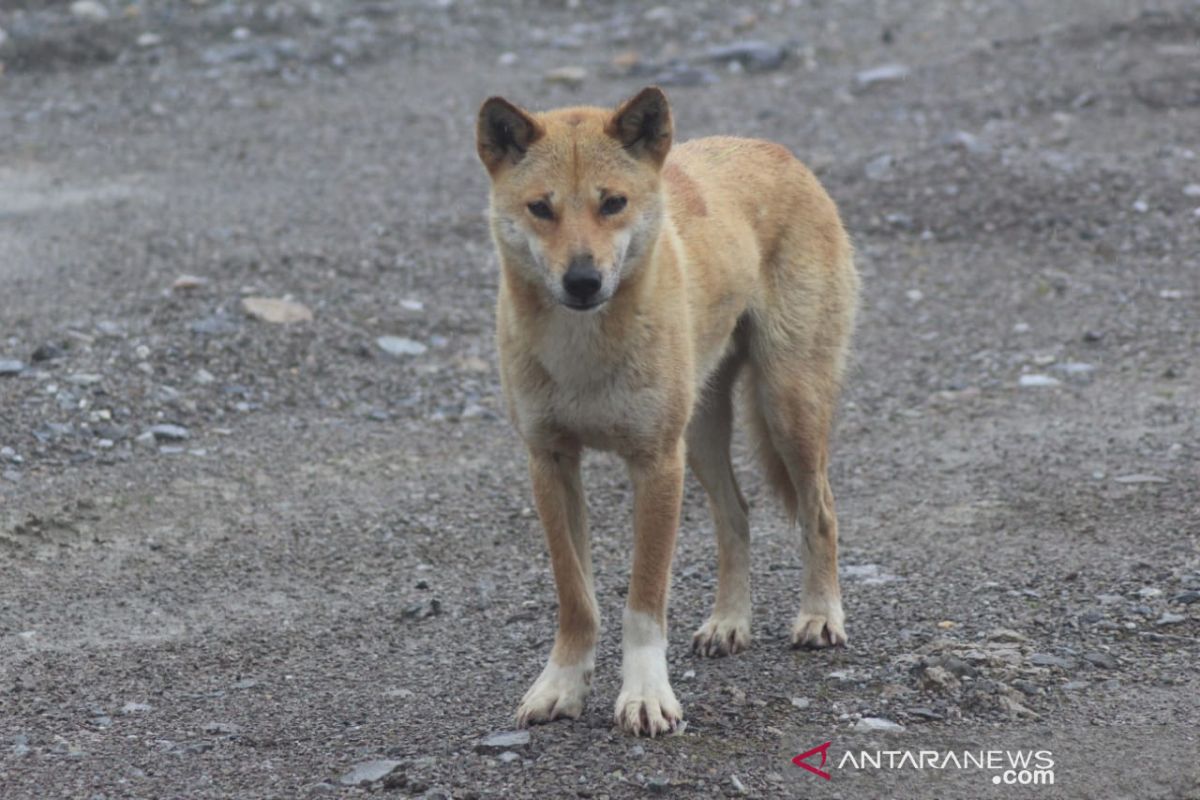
x=638, y=282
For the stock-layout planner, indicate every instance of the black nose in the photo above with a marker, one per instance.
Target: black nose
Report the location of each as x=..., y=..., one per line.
x=582, y=280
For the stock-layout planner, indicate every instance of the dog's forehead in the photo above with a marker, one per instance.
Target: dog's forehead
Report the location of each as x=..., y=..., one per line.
x=577, y=137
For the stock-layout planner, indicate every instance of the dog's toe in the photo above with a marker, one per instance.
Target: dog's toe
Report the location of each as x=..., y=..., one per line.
x=721, y=636
x=818, y=631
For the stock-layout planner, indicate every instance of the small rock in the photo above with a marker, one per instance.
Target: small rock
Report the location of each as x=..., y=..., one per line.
x=134, y=708
x=221, y=729
x=1147, y=592
x=879, y=168
x=84, y=379
x=149, y=40
x=801, y=702
x=1047, y=660
x=1101, y=660
x=10, y=366
x=186, y=283
x=872, y=724
x=1075, y=686
x=659, y=784
x=89, y=10
x=1075, y=368
x=169, y=433
x=754, y=56
x=412, y=305
x=215, y=325
x=1192, y=190
x=572, y=77
x=1170, y=618
x=886, y=73
x=370, y=771
x=737, y=785
x=203, y=377
x=508, y=756
x=1140, y=206
x=1035, y=380
x=1140, y=477
x=503, y=740
x=276, y=311
x=966, y=141
x=1186, y=598
x=1006, y=635
x=47, y=351
x=399, y=346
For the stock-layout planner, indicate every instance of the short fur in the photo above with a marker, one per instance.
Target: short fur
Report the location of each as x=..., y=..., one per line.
x=727, y=259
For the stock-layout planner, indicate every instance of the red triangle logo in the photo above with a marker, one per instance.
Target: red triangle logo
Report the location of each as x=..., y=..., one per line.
x=823, y=749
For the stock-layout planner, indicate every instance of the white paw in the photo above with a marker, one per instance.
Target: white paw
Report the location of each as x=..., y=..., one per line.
x=646, y=705
x=558, y=692
x=722, y=636
x=819, y=624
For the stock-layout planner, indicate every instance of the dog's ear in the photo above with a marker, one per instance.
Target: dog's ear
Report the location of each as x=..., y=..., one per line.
x=643, y=125
x=503, y=133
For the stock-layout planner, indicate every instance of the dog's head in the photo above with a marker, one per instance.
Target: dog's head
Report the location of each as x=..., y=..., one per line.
x=575, y=192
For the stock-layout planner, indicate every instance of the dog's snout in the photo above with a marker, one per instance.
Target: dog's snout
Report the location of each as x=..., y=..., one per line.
x=582, y=280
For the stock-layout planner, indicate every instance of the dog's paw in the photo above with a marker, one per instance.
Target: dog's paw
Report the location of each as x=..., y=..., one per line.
x=558, y=692
x=722, y=636
x=819, y=629
x=648, y=710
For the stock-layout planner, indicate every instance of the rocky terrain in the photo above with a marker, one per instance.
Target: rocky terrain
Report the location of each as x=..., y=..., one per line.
x=265, y=531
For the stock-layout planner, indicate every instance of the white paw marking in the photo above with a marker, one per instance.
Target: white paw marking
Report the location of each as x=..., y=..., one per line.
x=819, y=624
x=558, y=692
x=646, y=705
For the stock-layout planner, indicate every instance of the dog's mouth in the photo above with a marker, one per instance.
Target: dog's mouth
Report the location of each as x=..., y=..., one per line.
x=585, y=305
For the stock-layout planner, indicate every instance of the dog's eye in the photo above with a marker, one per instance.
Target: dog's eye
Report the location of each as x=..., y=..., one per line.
x=612, y=205
x=541, y=209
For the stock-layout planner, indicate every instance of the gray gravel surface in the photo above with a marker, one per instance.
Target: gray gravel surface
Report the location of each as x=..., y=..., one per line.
x=253, y=558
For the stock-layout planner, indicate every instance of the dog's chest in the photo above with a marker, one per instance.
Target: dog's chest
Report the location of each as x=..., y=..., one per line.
x=600, y=396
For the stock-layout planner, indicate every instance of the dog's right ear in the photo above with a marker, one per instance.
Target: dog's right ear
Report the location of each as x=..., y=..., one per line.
x=503, y=133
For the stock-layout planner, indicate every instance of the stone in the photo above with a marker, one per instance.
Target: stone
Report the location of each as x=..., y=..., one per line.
x=186, y=283
x=370, y=771
x=753, y=56
x=572, y=77
x=1101, y=660
x=215, y=325
x=169, y=433
x=221, y=729
x=1186, y=598
x=886, y=73
x=801, y=702
x=1140, y=477
x=400, y=346
x=503, y=740
x=508, y=756
x=1170, y=618
x=879, y=168
x=877, y=724
x=1006, y=635
x=1034, y=380
x=1047, y=660
x=276, y=311
x=89, y=10
x=135, y=708
x=10, y=366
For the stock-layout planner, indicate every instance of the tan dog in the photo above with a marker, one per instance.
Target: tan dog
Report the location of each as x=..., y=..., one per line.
x=638, y=281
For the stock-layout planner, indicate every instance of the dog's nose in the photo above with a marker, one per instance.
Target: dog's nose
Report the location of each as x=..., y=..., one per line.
x=582, y=280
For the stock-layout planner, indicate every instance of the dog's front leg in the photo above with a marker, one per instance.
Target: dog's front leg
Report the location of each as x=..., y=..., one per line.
x=646, y=704
x=562, y=688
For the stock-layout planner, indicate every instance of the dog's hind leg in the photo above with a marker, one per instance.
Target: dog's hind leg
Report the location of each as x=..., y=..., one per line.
x=727, y=630
x=562, y=687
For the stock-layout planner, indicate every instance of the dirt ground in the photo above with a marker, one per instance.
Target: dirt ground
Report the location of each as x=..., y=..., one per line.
x=328, y=557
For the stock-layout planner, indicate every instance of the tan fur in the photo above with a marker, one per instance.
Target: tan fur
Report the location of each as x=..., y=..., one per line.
x=728, y=259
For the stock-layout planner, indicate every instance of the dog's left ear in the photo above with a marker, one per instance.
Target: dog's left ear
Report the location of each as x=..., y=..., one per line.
x=643, y=125
x=503, y=133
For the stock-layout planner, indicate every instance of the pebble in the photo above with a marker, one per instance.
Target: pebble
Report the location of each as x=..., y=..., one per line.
x=185, y=283
x=84, y=379
x=879, y=168
x=1101, y=660
x=1186, y=598
x=221, y=729
x=149, y=40
x=754, y=56
x=1006, y=635
x=871, y=724
x=1149, y=591
x=503, y=740
x=276, y=311
x=203, y=377
x=1047, y=660
x=47, y=352
x=10, y=366
x=215, y=325
x=1035, y=380
x=572, y=77
x=399, y=346
x=966, y=141
x=801, y=702
x=1170, y=618
x=885, y=73
x=1192, y=190
x=737, y=785
x=508, y=756
x=169, y=433
x=89, y=10
x=412, y=305
x=1141, y=206
x=1139, y=478
x=369, y=772
x=135, y=708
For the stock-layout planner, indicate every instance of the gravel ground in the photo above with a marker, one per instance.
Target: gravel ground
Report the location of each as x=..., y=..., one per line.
x=242, y=558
